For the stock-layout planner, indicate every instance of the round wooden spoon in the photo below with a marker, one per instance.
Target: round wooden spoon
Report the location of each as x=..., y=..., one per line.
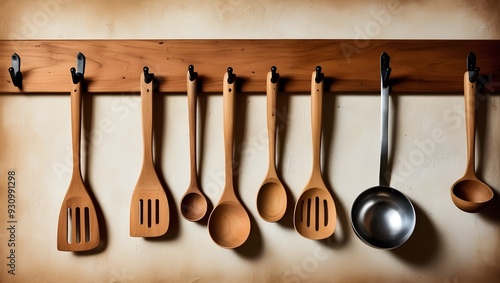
x=229, y=223
x=271, y=199
x=194, y=204
x=469, y=193
x=315, y=216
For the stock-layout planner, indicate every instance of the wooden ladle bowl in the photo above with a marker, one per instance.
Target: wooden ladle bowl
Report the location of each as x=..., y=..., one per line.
x=470, y=195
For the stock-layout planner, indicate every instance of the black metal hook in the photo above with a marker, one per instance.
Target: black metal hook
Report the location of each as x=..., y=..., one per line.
x=148, y=77
x=78, y=72
x=471, y=67
x=230, y=76
x=274, y=76
x=319, y=75
x=192, y=74
x=385, y=69
x=15, y=71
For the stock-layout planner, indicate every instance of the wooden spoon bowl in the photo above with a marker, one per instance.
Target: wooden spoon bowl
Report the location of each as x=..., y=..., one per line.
x=229, y=225
x=194, y=206
x=271, y=200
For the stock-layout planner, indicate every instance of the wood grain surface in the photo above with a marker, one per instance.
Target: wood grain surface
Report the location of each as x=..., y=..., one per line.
x=350, y=66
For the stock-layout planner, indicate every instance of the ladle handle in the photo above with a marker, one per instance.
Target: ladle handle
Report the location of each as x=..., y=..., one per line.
x=76, y=119
x=272, y=90
x=228, y=114
x=316, y=116
x=470, y=122
x=191, y=96
x=147, y=121
x=384, y=125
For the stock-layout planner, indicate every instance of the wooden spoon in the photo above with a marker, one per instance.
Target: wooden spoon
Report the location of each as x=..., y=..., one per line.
x=149, y=212
x=271, y=199
x=194, y=204
x=78, y=227
x=469, y=193
x=315, y=216
x=229, y=223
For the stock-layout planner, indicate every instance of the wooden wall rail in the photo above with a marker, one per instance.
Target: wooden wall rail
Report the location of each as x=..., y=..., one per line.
x=114, y=66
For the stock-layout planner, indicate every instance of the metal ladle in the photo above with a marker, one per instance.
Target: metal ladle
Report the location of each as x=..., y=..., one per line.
x=382, y=216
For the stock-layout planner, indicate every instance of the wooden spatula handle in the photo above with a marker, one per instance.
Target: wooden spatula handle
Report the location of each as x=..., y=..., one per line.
x=76, y=118
x=316, y=116
x=470, y=122
x=147, y=120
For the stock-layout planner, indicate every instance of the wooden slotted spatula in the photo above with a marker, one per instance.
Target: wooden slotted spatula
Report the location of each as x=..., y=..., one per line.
x=315, y=216
x=78, y=227
x=149, y=212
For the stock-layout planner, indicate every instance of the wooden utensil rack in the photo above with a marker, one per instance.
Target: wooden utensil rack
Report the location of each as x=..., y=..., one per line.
x=350, y=66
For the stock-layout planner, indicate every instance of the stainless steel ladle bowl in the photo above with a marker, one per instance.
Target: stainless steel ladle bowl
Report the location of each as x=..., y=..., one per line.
x=382, y=216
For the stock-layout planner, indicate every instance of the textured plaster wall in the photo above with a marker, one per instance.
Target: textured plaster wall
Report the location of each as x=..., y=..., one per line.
x=448, y=245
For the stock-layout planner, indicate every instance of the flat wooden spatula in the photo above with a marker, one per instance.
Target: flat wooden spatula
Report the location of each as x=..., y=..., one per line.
x=149, y=212
x=78, y=227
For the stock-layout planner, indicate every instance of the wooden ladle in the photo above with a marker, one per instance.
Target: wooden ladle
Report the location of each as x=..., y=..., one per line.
x=315, y=216
x=272, y=198
x=469, y=193
x=149, y=211
x=194, y=204
x=229, y=223
x=78, y=227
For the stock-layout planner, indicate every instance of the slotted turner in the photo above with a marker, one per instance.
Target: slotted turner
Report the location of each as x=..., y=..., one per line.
x=78, y=227
x=315, y=216
x=149, y=212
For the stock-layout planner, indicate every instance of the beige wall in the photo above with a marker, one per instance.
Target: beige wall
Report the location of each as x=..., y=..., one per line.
x=448, y=245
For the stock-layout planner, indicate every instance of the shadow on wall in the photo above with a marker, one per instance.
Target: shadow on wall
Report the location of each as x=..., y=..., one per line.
x=423, y=247
x=86, y=123
x=254, y=245
x=487, y=164
x=342, y=233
